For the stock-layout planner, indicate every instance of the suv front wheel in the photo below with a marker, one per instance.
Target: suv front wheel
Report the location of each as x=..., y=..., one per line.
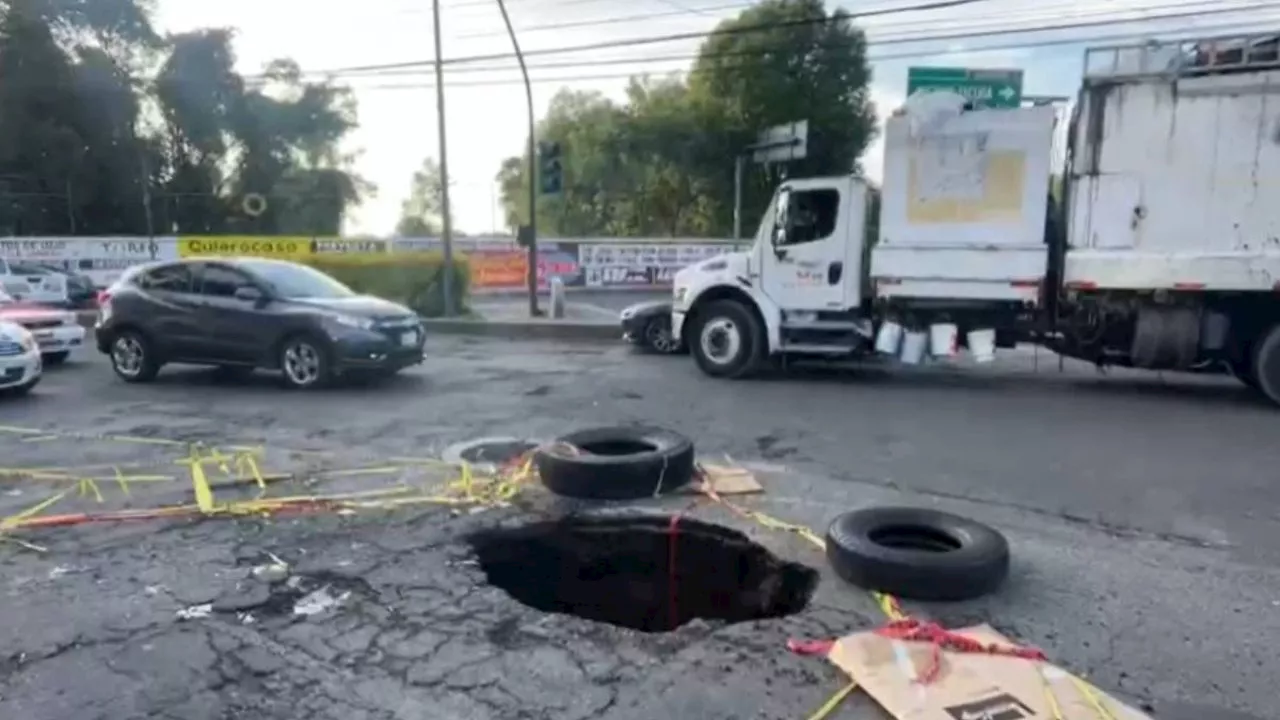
x=133, y=357
x=304, y=363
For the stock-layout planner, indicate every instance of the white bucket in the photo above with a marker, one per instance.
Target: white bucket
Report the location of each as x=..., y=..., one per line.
x=889, y=338
x=942, y=339
x=914, y=344
x=982, y=345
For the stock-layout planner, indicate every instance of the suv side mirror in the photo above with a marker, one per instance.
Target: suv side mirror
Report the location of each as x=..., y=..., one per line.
x=250, y=293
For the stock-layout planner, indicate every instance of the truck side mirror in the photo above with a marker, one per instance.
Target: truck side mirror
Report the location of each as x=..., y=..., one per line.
x=781, y=221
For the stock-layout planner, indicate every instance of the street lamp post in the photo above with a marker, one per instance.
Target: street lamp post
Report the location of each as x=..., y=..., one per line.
x=532, y=237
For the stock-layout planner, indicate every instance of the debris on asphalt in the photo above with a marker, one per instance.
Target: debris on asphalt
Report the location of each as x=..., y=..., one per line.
x=318, y=601
x=195, y=612
x=988, y=680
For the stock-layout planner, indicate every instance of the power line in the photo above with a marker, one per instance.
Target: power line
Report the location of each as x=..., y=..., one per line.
x=1041, y=13
x=1252, y=27
x=652, y=59
x=747, y=29
x=653, y=40
x=1038, y=17
x=608, y=21
x=421, y=65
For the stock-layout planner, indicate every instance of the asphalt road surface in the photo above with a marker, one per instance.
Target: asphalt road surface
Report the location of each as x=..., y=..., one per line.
x=1142, y=512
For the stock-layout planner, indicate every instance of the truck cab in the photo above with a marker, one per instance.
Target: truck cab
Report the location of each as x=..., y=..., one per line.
x=797, y=288
x=960, y=239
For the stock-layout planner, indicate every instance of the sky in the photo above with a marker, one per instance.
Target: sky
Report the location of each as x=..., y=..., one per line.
x=486, y=118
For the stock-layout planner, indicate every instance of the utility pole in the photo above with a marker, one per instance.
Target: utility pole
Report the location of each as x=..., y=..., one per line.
x=531, y=238
x=446, y=221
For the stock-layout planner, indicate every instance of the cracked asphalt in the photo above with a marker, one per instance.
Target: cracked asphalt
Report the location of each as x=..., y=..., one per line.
x=1142, y=512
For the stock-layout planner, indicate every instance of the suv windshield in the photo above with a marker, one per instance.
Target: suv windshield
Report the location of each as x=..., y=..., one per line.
x=296, y=281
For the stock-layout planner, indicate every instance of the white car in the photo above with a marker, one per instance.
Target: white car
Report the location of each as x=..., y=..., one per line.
x=57, y=331
x=20, y=364
x=40, y=286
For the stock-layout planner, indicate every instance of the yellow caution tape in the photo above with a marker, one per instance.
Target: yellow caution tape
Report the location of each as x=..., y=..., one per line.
x=834, y=701
x=15, y=520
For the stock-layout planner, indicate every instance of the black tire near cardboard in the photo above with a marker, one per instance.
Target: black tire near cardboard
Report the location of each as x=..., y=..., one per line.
x=616, y=463
x=917, y=553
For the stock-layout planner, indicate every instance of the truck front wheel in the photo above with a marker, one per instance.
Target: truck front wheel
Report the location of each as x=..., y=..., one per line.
x=1266, y=364
x=727, y=340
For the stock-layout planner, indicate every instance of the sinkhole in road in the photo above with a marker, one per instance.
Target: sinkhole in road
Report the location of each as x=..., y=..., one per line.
x=642, y=572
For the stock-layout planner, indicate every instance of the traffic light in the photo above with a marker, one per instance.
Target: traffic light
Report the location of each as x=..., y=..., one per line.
x=550, y=169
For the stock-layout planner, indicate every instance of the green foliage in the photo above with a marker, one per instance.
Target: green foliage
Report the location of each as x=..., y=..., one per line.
x=414, y=279
x=421, y=212
x=108, y=128
x=661, y=163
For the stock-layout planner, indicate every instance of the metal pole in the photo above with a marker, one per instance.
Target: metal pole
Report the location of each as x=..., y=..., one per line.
x=532, y=276
x=737, y=197
x=446, y=221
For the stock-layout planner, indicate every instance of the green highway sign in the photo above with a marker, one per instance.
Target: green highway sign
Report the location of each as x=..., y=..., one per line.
x=984, y=88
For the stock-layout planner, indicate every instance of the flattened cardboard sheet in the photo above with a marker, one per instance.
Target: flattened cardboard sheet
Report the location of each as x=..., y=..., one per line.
x=969, y=686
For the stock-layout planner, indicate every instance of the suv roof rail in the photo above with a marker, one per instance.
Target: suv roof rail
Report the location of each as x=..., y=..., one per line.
x=1179, y=58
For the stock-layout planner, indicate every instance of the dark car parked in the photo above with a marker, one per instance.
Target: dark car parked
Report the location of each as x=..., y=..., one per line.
x=647, y=325
x=246, y=313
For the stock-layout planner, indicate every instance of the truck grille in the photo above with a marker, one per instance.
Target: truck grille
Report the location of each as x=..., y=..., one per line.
x=9, y=349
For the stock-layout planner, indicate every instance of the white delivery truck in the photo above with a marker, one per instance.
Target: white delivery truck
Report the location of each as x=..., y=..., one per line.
x=1163, y=251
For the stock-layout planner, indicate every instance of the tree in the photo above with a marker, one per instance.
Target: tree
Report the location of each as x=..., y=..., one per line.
x=662, y=163
x=798, y=70
x=81, y=151
x=421, y=213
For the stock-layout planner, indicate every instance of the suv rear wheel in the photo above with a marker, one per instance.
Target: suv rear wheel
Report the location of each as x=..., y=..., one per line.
x=133, y=357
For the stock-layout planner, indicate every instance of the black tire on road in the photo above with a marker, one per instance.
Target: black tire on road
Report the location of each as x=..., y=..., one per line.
x=148, y=365
x=616, y=463
x=917, y=553
x=55, y=358
x=731, y=318
x=1266, y=364
x=658, y=338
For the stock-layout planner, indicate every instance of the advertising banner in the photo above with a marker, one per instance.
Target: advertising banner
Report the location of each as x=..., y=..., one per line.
x=225, y=245
x=635, y=265
x=496, y=263
x=508, y=269
x=102, y=259
x=352, y=248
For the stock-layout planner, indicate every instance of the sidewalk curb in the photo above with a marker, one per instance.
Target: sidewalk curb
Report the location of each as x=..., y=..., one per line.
x=525, y=330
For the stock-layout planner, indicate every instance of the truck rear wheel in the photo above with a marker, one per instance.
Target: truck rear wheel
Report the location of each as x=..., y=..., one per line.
x=1266, y=364
x=727, y=340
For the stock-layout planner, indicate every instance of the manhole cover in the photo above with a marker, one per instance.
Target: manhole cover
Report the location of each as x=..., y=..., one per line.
x=495, y=451
x=620, y=570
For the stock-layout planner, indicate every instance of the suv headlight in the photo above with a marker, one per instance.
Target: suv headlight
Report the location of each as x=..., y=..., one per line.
x=363, y=323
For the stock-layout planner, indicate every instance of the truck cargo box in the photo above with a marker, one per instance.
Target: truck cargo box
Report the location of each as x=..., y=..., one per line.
x=963, y=205
x=1175, y=168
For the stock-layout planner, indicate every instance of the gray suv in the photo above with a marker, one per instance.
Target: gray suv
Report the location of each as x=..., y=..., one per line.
x=244, y=313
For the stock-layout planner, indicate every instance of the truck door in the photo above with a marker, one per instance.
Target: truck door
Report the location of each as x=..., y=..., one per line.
x=802, y=261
